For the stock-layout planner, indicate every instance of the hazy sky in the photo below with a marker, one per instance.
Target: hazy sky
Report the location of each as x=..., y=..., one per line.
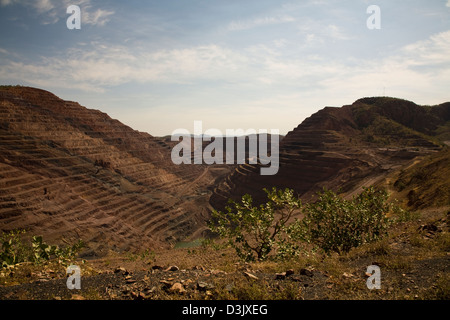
x=159, y=65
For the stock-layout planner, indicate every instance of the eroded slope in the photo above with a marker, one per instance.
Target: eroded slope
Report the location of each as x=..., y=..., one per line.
x=345, y=148
x=69, y=172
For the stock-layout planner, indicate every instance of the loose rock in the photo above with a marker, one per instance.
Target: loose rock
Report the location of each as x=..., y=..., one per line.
x=289, y=272
x=306, y=272
x=204, y=286
x=172, y=268
x=280, y=276
x=120, y=269
x=177, y=288
x=250, y=276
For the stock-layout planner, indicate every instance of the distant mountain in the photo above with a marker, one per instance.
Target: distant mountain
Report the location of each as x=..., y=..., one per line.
x=346, y=148
x=68, y=172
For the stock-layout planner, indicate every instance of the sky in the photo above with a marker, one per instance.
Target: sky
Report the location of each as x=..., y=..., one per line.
x=159, y=65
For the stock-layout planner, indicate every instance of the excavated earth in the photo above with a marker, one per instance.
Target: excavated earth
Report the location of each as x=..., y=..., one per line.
x=69, y=173
x=344, y=149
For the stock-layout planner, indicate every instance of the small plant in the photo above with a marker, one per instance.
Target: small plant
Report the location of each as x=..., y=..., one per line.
x=145, y=255
x=44, y=252
x=15, y=251
x=402, y=215
x=41, y=250
x=66, y=255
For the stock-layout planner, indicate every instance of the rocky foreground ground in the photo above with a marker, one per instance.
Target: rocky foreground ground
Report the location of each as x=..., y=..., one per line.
x=414, y=264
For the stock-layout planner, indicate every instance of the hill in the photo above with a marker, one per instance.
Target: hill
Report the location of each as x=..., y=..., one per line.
x=346, y=148
x=68, y=172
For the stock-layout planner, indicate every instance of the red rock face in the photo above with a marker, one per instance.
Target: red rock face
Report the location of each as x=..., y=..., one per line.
x=68, y=172
x=343, y=149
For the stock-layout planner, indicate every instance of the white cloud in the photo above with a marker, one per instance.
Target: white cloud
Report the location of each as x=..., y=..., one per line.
x=98, y=17
x=103, y=66
x=431, y=52
x=44, y=5
x=418, y=71
x=258, y=22
x=448, y=3
x=6, y=2
x=317, y=32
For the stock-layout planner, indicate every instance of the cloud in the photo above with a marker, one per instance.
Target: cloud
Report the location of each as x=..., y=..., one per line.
x=431, y=52
x=318, y=32
x=419, y=70
x=44, y=5
x=448, y=4
x=99, y=67
x=6, y=2
x=258, y=22
x=98, y=17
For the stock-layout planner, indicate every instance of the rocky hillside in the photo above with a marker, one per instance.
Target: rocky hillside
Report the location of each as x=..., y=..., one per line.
x=346, y=148
x=424, y=184
x=69, y=172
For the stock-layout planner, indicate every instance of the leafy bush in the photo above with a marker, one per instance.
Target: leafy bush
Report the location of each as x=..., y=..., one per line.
x=335, y=224
x=253, y=231
x=332, y=223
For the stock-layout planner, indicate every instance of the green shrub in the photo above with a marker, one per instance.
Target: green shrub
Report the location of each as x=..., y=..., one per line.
x=15, y=251
x=332, y=223
x=335, y=224
x=45, y=252
x=254, y=231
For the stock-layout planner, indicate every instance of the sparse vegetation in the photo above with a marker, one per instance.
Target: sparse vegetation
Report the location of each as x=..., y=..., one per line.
x=146, y=255
x=331, y=224
x=411, y=256
x=427, y=183
x=15, y=250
